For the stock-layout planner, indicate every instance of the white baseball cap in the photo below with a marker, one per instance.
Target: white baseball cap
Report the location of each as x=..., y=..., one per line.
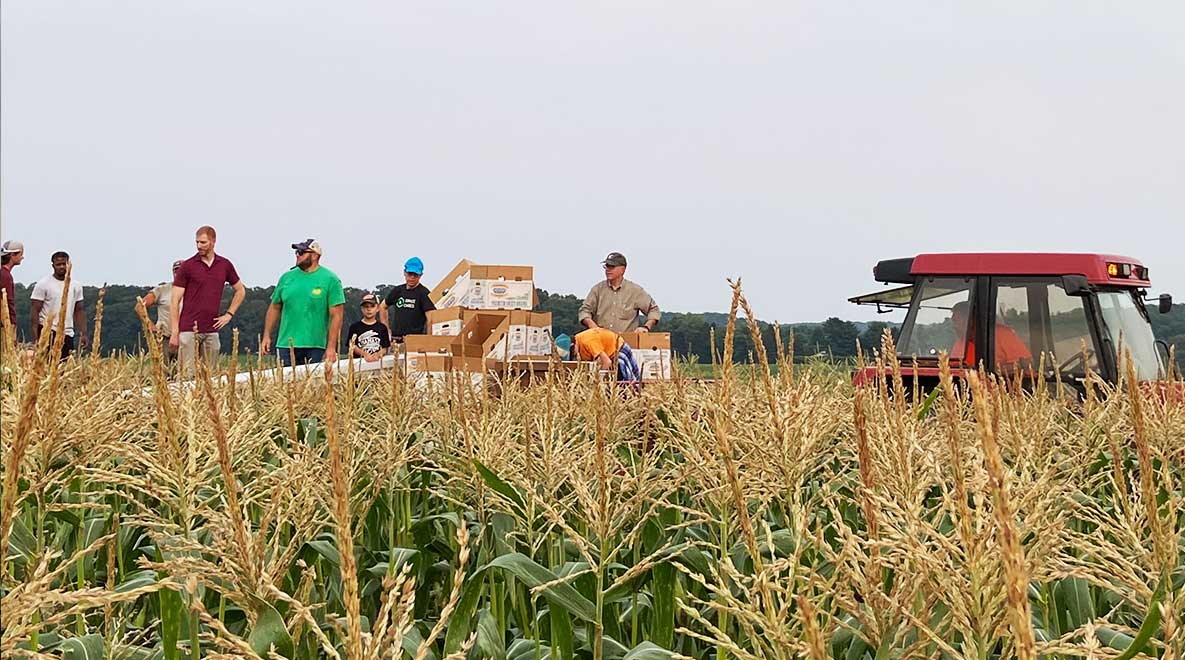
x=12, y=247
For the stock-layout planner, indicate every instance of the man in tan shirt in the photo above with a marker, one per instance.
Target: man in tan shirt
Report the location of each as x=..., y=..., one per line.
x=615, y=302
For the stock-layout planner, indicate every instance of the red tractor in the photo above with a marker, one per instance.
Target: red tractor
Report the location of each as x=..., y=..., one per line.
x=1017, y=313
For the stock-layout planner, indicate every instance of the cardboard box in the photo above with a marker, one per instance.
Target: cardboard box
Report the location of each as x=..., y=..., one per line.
x=507, y=273
x=479, y=286
x=440, y=371
x=447, y=363
x=448, y=321
x=640, y=341
x=510, y=344
x=527, y=333
x=499, y=294
x=539, y=340
x=501, y=287
x=482, y=331
x=451, y=281
x=655, y=364
x=652, y=352
x=434, y=345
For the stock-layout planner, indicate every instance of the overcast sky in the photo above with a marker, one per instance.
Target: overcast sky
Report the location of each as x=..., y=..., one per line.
x=790, y=143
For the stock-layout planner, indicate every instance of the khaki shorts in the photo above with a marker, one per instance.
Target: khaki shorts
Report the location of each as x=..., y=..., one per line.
x=207, y=345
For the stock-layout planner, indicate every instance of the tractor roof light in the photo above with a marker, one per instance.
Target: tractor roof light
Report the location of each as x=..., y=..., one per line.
x=1119, y=270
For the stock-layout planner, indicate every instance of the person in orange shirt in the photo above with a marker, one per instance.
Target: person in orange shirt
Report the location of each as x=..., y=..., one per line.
x=1011, y=350
x=598, y=345
x=605, y=347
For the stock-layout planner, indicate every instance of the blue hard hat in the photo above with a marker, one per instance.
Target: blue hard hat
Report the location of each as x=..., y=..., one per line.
x=414, y=265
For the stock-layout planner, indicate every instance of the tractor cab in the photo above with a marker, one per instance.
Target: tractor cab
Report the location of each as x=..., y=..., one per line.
x=1026, y=315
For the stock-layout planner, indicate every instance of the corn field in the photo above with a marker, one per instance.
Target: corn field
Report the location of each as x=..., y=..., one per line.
x=758, y=516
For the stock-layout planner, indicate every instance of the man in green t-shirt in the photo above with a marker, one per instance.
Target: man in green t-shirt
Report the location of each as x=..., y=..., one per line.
x=308, y=301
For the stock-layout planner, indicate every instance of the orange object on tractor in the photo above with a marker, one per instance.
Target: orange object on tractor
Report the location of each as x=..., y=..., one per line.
x=1015, y=313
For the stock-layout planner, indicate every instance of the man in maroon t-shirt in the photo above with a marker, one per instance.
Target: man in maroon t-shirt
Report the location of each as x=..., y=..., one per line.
x=14, y=253
x=199, y=282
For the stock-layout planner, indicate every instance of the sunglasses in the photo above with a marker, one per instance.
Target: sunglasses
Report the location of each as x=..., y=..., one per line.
x=300, y=252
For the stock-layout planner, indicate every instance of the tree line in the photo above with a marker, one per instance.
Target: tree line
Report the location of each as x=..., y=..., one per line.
x=692, y=334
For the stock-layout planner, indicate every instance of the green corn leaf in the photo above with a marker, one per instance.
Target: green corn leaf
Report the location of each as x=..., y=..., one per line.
x=490, y=641
x=88, y=647
x=328, y=550
x=928, y=403
x=411, y=642
x=137, y=580
x=648, y=651
x=21, y=542
x=534, y=575
x=611, y=647
x=461, y=624
x=528, y=649
x=1074, y=599
x=1151, y=622
x=450, y=518
x=502, y=488
x=172, y=611
x=270, y=631
x=562, y=638
x=400, y=555
x=126, y=652
x=663, y=590
x=1114, y=639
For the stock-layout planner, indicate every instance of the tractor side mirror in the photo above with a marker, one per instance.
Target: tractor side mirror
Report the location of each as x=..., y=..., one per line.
x=1076, y=285
x=1165, y=303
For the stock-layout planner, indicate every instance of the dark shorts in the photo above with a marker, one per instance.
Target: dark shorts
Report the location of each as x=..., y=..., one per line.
x=67, y=346
x=303, y=355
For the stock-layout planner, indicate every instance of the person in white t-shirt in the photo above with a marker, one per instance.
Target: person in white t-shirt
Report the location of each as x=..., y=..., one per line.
x=47, y=300
x=161, y=297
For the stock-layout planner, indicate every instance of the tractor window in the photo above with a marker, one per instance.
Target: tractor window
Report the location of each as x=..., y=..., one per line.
x=938, y=318
x=1036, y=318
x=1130, y=333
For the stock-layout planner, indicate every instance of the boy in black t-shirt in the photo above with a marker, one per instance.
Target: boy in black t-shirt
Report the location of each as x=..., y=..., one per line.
x=368, y=338
x=405, y=310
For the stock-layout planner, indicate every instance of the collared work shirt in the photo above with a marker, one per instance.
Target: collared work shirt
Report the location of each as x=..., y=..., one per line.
x=203, y=291
x=618, y=309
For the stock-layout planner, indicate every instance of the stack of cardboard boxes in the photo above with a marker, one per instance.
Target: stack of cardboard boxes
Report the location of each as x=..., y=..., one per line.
x=484, y=316
x=482, y=287
x=518, y=333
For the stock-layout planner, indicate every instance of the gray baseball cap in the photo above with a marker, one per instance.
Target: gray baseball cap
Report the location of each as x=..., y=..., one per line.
x=12, y=247
x=615, y=259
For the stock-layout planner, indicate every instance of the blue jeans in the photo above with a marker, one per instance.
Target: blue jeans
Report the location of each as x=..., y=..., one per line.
x=303, y=355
